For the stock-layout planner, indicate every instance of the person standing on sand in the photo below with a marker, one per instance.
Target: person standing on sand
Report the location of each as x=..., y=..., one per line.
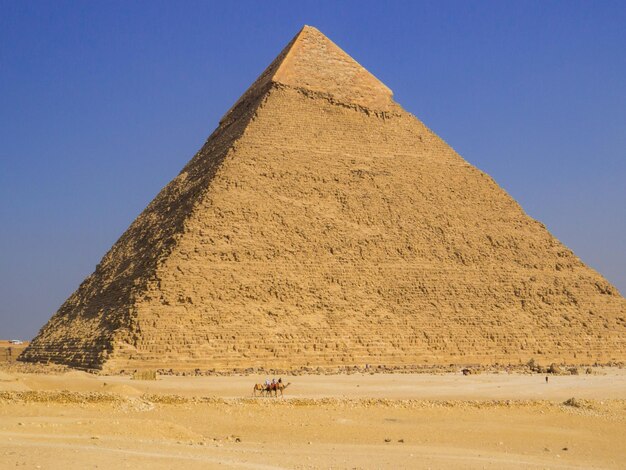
x=546, y=379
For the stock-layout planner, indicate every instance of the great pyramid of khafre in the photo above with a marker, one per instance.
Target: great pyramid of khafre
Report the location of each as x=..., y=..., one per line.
x=323, y=225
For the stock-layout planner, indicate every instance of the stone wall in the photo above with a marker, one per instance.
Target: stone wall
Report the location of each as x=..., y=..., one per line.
x=9, y=352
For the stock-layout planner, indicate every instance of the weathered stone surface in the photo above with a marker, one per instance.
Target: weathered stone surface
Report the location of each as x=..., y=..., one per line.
x=322, y=225
x=9, y=351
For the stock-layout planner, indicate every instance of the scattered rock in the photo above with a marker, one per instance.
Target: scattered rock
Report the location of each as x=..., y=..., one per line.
x=554, y=369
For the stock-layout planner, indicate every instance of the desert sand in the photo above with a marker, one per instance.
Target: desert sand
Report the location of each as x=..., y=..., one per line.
x=79, y=420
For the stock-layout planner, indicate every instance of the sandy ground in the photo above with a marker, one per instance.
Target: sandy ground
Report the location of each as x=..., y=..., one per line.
x=356, y=421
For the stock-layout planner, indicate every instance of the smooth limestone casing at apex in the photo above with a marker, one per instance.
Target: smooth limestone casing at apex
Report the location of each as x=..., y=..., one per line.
x=323, y=225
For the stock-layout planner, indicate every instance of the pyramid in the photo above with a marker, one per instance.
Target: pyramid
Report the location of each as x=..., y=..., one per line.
x=321, y=225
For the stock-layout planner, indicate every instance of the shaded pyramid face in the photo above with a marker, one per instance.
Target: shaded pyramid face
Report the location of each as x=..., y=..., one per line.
x=322, y=225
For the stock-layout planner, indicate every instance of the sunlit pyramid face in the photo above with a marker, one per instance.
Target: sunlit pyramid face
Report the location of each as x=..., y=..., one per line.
x=323, y=225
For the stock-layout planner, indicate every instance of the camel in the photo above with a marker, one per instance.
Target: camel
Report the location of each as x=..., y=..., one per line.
x=259, y=388
x=262, y=389
x=276, y=387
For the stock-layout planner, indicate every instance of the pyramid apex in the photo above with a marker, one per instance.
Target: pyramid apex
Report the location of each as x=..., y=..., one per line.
x=309, y=29
x=313, y=62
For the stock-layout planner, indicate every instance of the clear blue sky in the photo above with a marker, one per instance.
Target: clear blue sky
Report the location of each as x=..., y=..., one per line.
x=102, y=103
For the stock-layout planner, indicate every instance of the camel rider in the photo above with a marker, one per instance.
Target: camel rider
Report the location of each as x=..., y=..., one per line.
x=267, y=383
